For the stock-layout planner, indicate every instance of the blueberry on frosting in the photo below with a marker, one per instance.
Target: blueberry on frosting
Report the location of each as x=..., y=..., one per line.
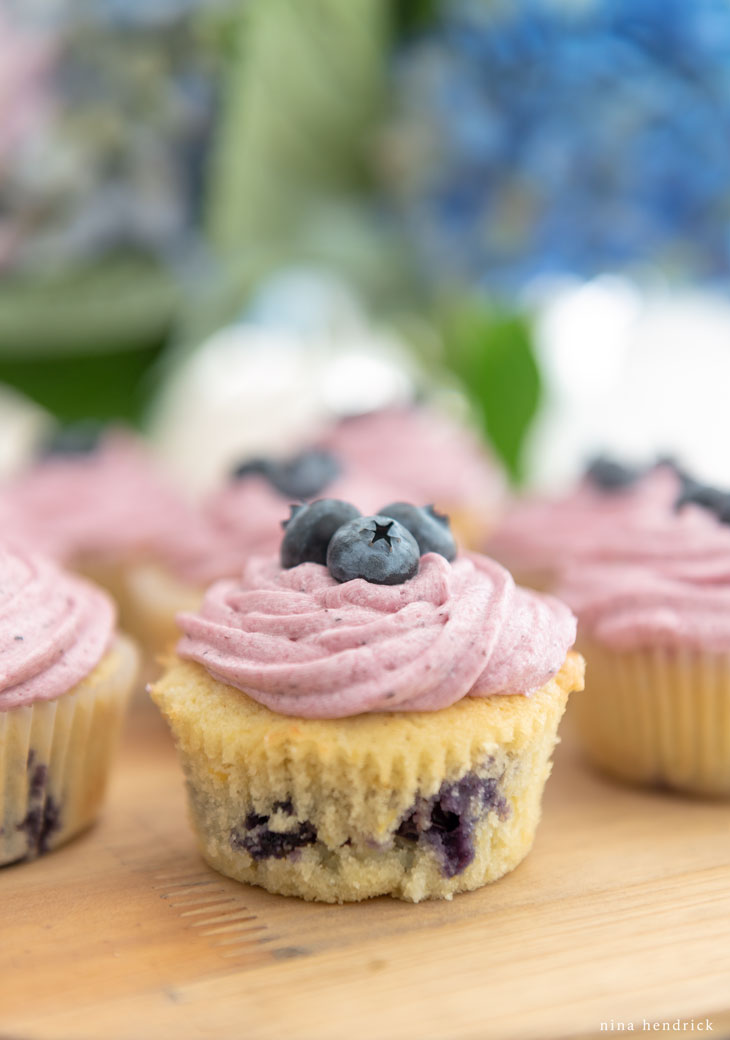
x=704, y=495
x=308, y=531
x=609, y=475
x=80, y=438
x=300, y=477
x=376, y=548
x=257, y=466
x=431, y=530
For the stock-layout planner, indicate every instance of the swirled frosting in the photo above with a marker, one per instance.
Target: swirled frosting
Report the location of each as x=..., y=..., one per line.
x=54, y=629
x=110, y=503
x=548, y=534
x=302, y=644
x=669, y=586
x=421, y=454
x=250, y=511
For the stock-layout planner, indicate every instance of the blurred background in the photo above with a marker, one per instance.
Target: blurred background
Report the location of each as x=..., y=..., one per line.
x=225, y=221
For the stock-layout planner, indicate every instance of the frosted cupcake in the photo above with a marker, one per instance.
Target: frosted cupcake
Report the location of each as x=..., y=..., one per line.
x=654, y=626
x=96, y=505
x=65, y=678
x=539, y=537
x=371, y=717
x=242, y=518
x=424, y=456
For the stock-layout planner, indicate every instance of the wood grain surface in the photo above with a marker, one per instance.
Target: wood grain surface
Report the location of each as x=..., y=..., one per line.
x=620, y=915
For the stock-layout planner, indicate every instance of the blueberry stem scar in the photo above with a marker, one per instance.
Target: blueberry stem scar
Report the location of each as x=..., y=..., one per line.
x=382, y=533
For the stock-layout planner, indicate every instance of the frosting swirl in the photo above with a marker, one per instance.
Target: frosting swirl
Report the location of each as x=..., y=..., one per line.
x=54, y=629
x=422, y=456
x=547, y=534
x=109, y=503
x=302, y=644
x=670, y=586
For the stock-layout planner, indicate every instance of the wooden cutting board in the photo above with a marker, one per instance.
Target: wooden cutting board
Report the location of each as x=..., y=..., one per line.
x=620, y=915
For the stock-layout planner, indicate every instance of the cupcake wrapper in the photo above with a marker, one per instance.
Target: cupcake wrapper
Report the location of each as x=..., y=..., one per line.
x=155, y=597
x=55, y=756
x=416, y=805
x=542, y=579
x=469, y=527
x=659, y=717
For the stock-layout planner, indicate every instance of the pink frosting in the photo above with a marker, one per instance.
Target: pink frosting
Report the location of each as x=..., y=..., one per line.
x=54, y=629
x=250, y=511
x=549, y=534
x=302, y=644
x=110, y=503
x=422, y=456
x=669, y=587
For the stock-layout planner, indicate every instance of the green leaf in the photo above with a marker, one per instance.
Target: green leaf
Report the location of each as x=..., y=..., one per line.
x=109, y=385
x=490, y=350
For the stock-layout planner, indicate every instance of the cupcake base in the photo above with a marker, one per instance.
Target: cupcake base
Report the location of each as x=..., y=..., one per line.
x=156, y=597
x=55, y=757
x=469, y=527
x=414, y=805
x=658, y=717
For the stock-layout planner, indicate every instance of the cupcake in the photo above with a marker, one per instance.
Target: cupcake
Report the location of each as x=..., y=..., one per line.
x=369, y=713
x=94, y=502
x=654, y=626
x=64, y=684
x=243, y=518
x=538, y=538
x=97, y=504
x=424, y=456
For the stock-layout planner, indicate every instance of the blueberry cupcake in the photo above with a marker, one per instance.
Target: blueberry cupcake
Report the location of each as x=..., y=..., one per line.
x=64, y=684
x=369, y=713
x=242, y=518
x=538, y=537
x=97, y=504
x=654, y=626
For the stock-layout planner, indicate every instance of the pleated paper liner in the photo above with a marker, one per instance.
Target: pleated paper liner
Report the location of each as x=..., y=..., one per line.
x=334, y=809
x=658, y=717
x=55, y=758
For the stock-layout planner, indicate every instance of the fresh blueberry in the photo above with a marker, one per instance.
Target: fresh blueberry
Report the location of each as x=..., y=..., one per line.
x=309, y=529
x=80, y=438
x=305, y=475
x=258, y=466
x=376, y=548
x=301, y=476
x=431, y=530
x=611, y=476
x=670, y=462
x=710, y=498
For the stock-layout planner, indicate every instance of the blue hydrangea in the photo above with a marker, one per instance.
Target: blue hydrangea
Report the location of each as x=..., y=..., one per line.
x=566, y=136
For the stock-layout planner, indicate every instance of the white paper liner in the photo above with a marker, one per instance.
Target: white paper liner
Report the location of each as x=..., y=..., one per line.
x=55, y=758
x=658, y=717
